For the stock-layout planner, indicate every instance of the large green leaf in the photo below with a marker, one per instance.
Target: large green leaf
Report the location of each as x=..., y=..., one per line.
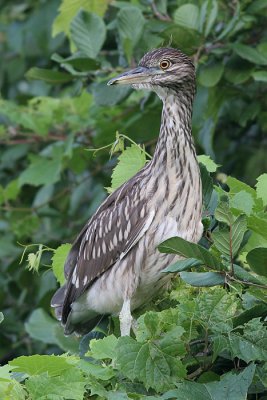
x=257, y=260
x=130, y=23
x=249, y=53
x=177, y=245
x=88, y=32
x=187, y=16
x=201, y=279
x=211, y=74
x=48, y=75
x=231, y=386
x=252, y=345
x=38, y=364
x=41, y=171
x=183, y=265
x=157, y=364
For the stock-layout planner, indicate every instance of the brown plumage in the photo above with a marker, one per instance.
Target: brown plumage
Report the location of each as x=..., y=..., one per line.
x=114, y=265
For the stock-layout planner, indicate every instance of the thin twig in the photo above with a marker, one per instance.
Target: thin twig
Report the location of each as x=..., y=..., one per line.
x=157, y=14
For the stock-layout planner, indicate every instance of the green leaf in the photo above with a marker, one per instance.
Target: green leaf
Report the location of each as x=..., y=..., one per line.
x=249, y=53
x=103, y=348
x=223, y=213
x=109, y=96
x=88, y=32
x=261, y=187
x=221, y=239
x=42, y=171
x=77, y=61
x=68, y=385
x=1, y=317
x=40, y=326
x=259, y=76
x=130, y=23
x=208, y=162
x=242, y=201
x=207, y=185
x=68, y=9
x=239, y=228
x=130, y=162
x=48, y=75
x=155, y=364
x=37, y=364
x=183, y=265
x=258, y=225
x=187, y=16
x=58, y=261
x=177, y=245
x=257, y=260
x=98, y=371
x=211, y=74
x=237, y=186
x=244, y=275
x=200, y=279
x=252, y=345
x=231, y=386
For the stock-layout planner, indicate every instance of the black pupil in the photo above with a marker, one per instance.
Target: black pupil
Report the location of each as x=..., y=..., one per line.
x=164, y=64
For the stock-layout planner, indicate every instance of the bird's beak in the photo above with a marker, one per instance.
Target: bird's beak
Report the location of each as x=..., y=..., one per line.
x=136, y=75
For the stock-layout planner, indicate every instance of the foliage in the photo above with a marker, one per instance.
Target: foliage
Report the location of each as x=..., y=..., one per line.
x=62, y=132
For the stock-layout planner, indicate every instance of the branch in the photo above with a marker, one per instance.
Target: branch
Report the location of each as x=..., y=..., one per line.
x=157, y=14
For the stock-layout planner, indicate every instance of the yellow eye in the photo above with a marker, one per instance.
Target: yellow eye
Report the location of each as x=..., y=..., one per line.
x=164, y=64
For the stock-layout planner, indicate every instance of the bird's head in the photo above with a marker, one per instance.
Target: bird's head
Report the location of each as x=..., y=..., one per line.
x=160, y=68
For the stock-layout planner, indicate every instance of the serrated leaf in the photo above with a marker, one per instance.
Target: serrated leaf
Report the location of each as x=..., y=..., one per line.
x=38, y=364
x=221, y=239
x=88, y=32
x=208, y=162
x=129, y=163
x=261, y=187
x=252, y=345
x=149, y=363
x=257, y=260
x=68, y=385
x=231, y=386
x=59, y=259
x=202, y=279
x=183, y=265
x=187, y=15
x=48, y=75
x=210, y=75
x=177, y=245
x=103, y=348
x=98, y=371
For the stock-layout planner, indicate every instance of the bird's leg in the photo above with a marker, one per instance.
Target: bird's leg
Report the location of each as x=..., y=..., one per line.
x=125, y=318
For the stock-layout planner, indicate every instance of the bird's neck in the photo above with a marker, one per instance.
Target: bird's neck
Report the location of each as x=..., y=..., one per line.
x=175, y=148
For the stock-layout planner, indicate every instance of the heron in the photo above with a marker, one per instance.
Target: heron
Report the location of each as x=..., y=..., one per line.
x=114, y=265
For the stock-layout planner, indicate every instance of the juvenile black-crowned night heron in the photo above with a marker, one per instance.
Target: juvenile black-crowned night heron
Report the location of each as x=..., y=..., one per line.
x=114, y=266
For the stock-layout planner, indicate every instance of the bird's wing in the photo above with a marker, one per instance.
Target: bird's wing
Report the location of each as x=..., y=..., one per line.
x=108, y=236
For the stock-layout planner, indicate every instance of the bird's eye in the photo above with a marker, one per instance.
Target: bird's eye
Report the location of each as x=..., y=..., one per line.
x=164, y=64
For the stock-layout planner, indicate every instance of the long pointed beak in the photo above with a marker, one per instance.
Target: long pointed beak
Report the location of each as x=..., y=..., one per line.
x=136, y=75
